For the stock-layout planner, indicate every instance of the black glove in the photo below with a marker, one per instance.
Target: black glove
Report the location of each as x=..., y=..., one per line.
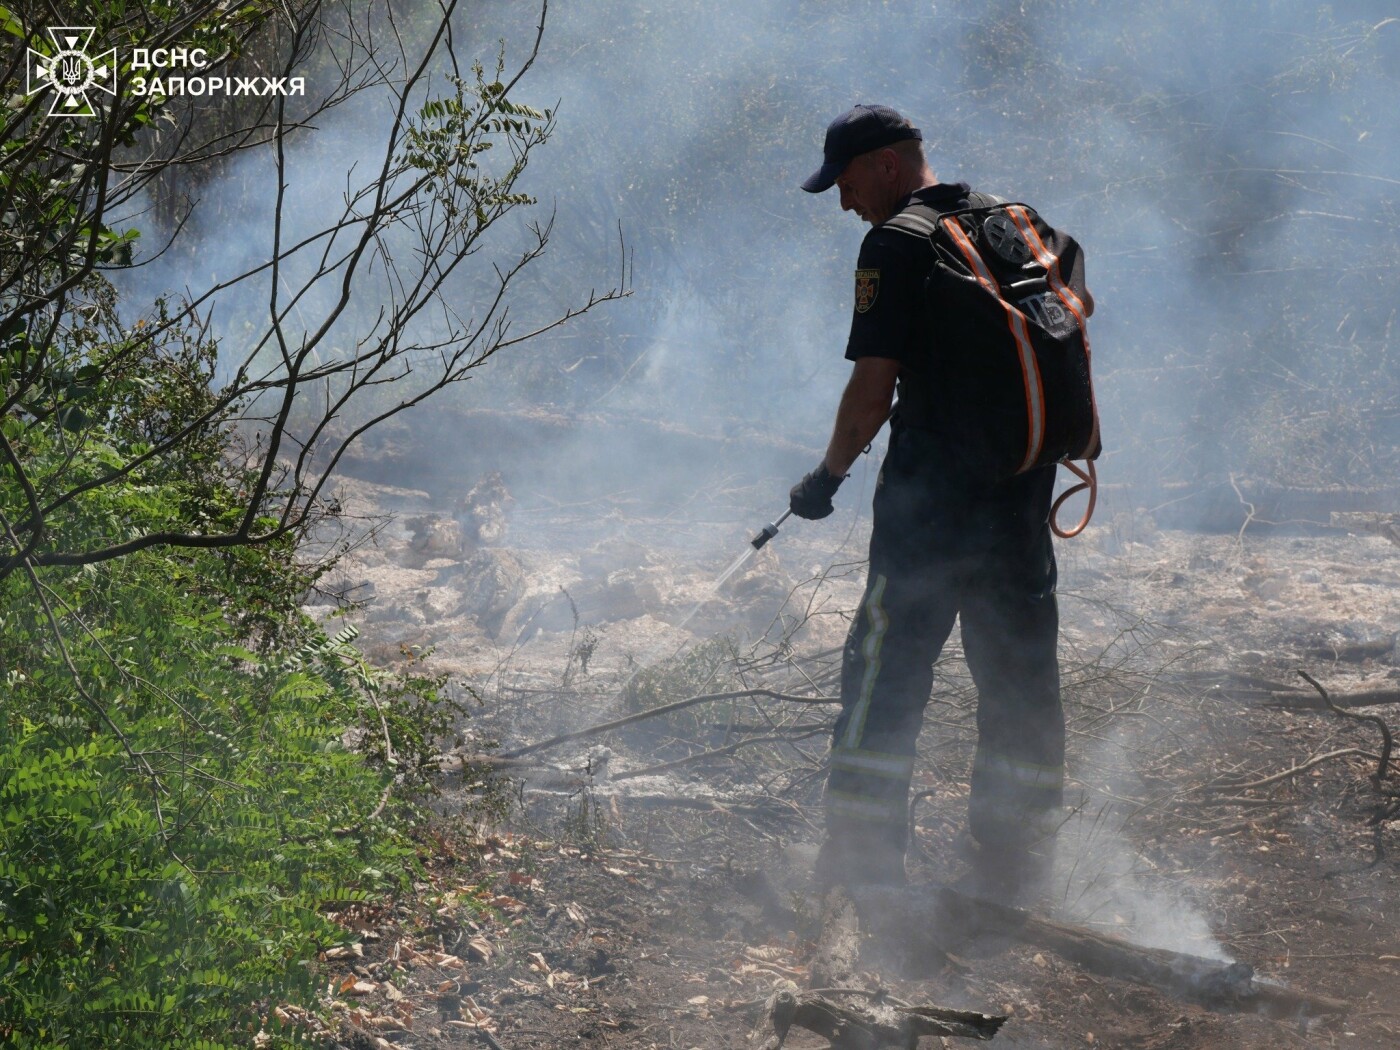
x=811, y=497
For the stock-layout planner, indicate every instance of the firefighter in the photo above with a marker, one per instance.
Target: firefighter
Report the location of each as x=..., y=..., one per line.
x=946, y=544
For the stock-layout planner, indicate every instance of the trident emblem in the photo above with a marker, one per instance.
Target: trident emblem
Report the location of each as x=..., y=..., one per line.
x=71, y=72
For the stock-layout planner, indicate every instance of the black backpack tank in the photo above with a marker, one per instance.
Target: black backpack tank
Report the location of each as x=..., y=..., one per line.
x=1008, y=382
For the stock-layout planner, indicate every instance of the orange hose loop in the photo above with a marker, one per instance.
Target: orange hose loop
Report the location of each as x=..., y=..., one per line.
x=1091, y=482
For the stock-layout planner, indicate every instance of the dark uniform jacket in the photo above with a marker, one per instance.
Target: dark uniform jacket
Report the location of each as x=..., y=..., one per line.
x=928, y=490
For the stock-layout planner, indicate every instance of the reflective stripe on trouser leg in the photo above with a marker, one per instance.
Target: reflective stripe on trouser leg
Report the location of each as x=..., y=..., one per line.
x=1014, y=801
x=865, y=785
x=1010, y=634
x=885, y=679
x=877, y=623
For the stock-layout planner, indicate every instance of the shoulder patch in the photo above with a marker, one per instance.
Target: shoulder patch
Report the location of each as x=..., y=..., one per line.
x=867, y=289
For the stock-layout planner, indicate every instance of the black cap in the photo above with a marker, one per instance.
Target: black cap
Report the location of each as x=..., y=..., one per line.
x=863, y=129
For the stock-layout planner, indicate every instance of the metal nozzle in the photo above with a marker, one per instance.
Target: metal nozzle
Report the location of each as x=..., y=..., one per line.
x=769, y=531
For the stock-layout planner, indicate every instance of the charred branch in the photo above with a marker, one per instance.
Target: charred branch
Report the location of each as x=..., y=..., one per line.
x=875, y=1025
x=1340, y=702
x=1383, y=768
x=930, y=924
x=838, y=948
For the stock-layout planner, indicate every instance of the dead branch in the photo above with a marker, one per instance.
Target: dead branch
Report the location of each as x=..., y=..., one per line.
x=928, y=924
x=679, y=705
x=768, y=808
x=1361, y=698
x=1301, y=767
x=1383, y=767
x=1249, y=510
x=717, y=752
x=1241, y=800
x=1236, y=678
x=459, y=762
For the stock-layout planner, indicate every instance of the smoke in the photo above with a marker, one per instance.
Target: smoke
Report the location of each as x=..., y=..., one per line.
x=1232, y=194
x=1226, y=166
x=1103, y=881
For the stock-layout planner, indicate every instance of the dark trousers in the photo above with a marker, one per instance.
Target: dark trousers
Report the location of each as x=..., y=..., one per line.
x=939, y=553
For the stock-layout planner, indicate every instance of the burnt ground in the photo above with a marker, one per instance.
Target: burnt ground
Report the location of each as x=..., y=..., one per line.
x=1217, y=810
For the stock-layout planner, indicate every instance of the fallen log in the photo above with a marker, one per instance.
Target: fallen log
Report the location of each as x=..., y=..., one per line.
x=1310, y=701
x=1354, y=652
x=929, y=923
x=879, y=1021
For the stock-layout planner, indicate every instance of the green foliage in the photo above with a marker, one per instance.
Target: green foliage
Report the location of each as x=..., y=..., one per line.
x=190, y=771
x=705, y=668
x=192, y=774
x=451, y=132
x=173, y=822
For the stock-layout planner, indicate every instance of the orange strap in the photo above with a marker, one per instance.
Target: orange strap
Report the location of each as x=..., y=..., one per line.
x=1016, y=322
x=1090, y=481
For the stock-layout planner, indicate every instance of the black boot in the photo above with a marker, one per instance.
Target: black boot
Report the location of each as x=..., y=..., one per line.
x=1007, y=873
x=855, y=857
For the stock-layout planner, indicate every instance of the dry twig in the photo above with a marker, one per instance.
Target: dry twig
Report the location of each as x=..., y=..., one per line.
x=1301, y=767
x=679, y=705
x=1382, y=770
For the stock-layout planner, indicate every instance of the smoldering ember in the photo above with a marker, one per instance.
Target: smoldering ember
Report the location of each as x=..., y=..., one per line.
x=476, y=533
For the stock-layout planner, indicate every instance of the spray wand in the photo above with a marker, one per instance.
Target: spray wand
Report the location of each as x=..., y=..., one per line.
x=769, y=531
x=755, y=545
x=761, y=540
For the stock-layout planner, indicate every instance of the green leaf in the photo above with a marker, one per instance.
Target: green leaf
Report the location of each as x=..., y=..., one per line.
x=72, y=418
x=10, y=24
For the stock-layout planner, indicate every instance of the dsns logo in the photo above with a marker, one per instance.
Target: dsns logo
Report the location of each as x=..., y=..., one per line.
x=71, y=72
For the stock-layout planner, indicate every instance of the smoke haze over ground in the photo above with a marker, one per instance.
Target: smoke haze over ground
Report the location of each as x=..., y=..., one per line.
x=1230, y=169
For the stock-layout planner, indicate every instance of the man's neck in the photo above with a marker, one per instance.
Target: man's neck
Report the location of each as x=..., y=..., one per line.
x=918, y=181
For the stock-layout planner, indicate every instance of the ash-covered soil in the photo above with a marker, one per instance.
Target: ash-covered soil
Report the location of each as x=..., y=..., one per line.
x=650, y=886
